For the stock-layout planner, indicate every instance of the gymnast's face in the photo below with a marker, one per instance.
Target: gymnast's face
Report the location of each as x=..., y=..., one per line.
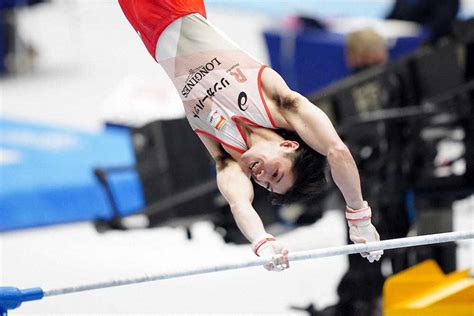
x=270, y=165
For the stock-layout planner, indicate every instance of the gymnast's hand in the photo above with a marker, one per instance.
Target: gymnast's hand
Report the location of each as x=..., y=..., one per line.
x=361, y=230
x=267, y=247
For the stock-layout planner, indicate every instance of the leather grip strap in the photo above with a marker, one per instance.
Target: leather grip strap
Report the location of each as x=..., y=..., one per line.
x=256, y=246
x=362, y=214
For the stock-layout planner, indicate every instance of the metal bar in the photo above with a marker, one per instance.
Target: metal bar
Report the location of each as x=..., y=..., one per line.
x=297, y=256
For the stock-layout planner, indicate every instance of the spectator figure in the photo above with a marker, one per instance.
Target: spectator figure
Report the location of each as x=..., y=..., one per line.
x=16, y=55
x=365, y=48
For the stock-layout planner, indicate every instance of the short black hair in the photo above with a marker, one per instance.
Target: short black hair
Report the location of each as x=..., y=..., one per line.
x=309, y=168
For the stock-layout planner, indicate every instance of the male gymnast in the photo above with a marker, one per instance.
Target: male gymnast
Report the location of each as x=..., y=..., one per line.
x=250, y=121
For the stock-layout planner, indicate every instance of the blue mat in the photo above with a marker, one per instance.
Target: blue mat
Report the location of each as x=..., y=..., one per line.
x=46, y=174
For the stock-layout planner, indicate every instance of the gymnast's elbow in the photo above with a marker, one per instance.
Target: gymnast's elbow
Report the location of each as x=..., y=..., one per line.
x=240, y=207
x=338, y=152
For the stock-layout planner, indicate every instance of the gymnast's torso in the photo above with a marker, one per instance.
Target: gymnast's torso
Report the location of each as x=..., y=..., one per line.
x=219, y=84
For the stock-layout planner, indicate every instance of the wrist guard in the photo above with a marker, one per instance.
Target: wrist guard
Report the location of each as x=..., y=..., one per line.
x=260, y=243
x=360, y=217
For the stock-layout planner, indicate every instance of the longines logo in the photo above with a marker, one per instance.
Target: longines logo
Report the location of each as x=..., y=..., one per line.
x=196, y=75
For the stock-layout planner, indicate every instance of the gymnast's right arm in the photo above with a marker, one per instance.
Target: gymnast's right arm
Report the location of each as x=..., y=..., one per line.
x=237, y=189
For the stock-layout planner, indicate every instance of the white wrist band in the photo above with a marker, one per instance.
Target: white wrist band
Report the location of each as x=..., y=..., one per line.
x=362, y=214
x=261, y=241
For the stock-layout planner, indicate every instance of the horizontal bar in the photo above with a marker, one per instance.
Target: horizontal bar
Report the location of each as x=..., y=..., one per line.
x=297, y=256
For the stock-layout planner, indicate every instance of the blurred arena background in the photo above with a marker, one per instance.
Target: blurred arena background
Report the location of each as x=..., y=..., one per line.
x=93, y=184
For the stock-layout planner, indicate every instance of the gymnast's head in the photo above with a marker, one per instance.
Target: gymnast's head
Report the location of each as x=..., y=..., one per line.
x=291, y=170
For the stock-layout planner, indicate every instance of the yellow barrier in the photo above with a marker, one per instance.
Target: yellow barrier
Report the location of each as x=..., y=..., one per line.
x=424, y=290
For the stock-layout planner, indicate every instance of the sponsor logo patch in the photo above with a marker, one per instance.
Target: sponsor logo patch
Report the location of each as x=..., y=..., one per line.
x=217, y=120
x=196, y=75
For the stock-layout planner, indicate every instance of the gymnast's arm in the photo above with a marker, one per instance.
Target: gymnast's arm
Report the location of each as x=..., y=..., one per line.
x=296, y=113
x=316, y=130
x=237, y=189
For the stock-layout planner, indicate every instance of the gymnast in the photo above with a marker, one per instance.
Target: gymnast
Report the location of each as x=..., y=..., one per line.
x=250, y=121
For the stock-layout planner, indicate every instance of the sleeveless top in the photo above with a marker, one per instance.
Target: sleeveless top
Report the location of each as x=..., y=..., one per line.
x=219, y=83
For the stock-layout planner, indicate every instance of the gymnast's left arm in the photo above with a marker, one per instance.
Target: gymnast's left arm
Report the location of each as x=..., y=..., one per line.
x=237, y=189
x=317, y=131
